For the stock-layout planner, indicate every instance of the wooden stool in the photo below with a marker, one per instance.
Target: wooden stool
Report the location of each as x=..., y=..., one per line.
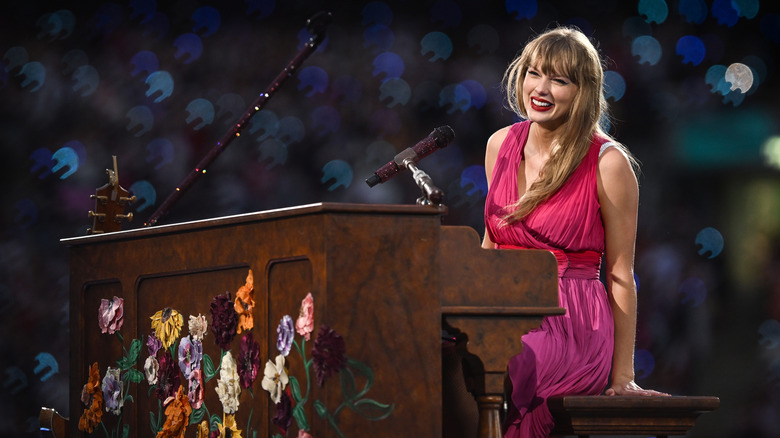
x=624, y=415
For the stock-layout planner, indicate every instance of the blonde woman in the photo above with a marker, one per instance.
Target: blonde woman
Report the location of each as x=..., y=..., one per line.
x=558, y=182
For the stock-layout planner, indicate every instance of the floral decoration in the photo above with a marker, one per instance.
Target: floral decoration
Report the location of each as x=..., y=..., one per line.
x=304, y=325
x=190, y=356
x=195, y=392
x=177, y=415
x=166, y=324
x=228, y=387
x=328, y=354
x=92, y=397
x=245, y=304
x=275, y=378
x=198, y=327
x=285, y=333
x=111, y=315
x=177, y=371
x=153, y=344
x=203, y=430
x=283, y=416
x=328, y=358
x=151, y=370
x=112, y=391
x=168, y=377
x=248, y=360
x=224, y=320
x=229, y=424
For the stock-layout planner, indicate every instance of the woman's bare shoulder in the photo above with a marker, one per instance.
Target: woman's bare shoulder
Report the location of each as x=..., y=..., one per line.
x=498, y=137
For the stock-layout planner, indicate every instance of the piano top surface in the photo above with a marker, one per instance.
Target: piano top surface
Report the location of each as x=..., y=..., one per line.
x=259, y=216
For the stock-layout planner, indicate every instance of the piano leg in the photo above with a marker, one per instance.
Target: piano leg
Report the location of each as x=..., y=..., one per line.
x=489, y=418
x=465, y=376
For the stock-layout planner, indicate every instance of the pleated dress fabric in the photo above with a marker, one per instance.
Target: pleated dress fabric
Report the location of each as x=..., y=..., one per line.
x=571, y=353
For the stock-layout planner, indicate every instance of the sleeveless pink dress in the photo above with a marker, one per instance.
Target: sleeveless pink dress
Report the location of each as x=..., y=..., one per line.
x=571, y=353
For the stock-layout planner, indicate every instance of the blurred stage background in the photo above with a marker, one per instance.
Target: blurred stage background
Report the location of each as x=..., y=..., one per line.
x=694, y=91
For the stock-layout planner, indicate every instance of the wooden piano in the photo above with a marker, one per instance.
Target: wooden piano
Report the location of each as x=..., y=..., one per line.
x=386, y=278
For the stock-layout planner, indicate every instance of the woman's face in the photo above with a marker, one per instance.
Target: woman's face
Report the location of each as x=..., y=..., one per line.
x=548, y=98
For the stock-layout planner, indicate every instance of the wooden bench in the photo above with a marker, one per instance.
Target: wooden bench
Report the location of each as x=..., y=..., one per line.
x=621, y=415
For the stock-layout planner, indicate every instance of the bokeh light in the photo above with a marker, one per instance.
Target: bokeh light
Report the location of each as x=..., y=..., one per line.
x=740, y=77
x=647, y=50
x=693, y=292
x=644, y=364
x=771, y=151
x=710, y=242
x=653, y=11
x=694, y=11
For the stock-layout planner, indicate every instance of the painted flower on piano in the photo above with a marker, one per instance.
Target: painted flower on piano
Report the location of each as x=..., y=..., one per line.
x=245, y=304
x=228, y=427
x=92, y=397
x=328, y=354
x=166, y=324
x=275, y=378
x=285, y=334
x=305, y=322
x=228, y=387
x=111, y=314
x=203, y=430
x=198, y=327
x=248, y=360
x=168, y=378
x=153, y=344
x=151, y=370
x=196, y=392
x=112, y=391
x=283, y=415
x=224, y=320
x=190, y=356
x=177, y=415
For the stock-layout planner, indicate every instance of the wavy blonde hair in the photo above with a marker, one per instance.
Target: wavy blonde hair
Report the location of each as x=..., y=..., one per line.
x=561, y=51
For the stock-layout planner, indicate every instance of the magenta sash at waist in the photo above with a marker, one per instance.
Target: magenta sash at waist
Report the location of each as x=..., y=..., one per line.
x=584, y=264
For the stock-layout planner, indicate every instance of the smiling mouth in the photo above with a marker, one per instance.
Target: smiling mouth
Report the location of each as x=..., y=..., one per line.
x=540, y=105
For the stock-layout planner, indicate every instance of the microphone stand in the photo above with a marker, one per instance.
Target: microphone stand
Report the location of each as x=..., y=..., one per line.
x=431, y=195
x=315, y=26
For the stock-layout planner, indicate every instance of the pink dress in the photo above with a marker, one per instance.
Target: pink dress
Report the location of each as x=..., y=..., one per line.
x=571, y=353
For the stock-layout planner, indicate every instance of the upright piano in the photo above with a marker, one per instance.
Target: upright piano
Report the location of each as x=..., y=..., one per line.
x=391, y=281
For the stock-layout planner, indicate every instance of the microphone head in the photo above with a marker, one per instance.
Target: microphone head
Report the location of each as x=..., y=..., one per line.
x=443, y=135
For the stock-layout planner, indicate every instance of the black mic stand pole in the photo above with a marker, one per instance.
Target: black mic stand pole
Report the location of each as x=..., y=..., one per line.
x=315, y=26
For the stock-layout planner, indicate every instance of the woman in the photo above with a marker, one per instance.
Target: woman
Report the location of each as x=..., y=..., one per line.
x=557, y=181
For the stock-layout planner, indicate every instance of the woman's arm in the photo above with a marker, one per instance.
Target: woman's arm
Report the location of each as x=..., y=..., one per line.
x=491, y=153
x=619, y=198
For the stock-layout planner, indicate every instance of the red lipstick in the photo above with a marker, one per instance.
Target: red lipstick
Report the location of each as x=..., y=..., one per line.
x=540, y=104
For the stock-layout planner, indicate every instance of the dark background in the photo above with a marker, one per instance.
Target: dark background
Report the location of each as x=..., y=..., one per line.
x=708, y=317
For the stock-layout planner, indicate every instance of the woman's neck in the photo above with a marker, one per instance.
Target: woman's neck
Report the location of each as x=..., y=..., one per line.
x=543, y=139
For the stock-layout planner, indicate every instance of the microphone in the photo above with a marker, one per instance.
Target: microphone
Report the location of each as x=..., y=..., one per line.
x=439, y=138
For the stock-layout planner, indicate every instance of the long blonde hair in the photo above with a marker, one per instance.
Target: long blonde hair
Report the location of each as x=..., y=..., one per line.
x=565, y=51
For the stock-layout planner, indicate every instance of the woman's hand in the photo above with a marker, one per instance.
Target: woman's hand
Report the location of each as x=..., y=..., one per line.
x=632, y=389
